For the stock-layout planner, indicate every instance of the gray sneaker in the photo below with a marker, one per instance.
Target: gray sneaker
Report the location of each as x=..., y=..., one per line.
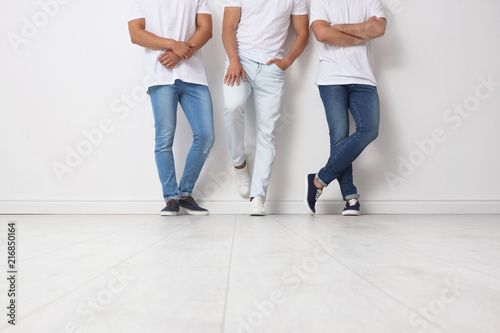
x=171, y=209
x=191, y=207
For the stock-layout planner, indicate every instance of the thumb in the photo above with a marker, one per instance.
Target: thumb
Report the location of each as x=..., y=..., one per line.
x=271, y=62
x=191, y=44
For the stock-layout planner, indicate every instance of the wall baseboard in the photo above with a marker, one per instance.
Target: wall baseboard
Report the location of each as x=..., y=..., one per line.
x=241, y=207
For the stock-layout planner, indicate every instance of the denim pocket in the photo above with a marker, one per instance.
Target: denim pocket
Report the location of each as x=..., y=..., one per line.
x=279, y=68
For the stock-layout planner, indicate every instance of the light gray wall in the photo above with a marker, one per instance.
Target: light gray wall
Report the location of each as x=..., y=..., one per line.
x=70, y=68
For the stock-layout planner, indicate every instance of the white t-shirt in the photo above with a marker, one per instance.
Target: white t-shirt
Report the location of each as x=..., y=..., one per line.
x=174, y=19
x=263, y=26
x=345, y=64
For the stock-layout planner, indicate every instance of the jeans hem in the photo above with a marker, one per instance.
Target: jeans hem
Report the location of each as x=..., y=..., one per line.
x=352, y=196
x=184, y=194
x=320, y=181
x=175, y=197
x=258, y=196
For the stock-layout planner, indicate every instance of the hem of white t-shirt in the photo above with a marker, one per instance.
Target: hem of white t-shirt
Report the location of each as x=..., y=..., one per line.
x=171, y=82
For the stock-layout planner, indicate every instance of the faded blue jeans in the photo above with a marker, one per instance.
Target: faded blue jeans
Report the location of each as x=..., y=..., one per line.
x=363, y=102
x=196, y=103
x=267, y=82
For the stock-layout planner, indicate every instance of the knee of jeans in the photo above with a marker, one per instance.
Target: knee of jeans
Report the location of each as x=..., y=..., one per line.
x=204, y=140
x=373, y=134
x=234, y=107
x=336, y=139
x=370, y=134
x=267, y=140
x=163, y=143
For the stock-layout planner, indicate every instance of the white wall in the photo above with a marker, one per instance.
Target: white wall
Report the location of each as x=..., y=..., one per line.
x=78, y=70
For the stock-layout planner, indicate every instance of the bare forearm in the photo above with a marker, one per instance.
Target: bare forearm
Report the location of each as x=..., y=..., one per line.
x=300, y=25
x=200, y=38
x=298, y=47
x=230, y=44
x=366, y=31
x=151, y=41
x=334, y=37
x=204, y=32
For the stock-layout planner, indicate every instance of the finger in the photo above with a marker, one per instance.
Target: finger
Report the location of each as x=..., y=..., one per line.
x=225, y=78
x=238, y=80
x=244, y=75
x=270, y=62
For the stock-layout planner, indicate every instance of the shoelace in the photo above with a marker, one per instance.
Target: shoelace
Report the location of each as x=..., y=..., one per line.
x=191, y=199
x=318, y=193
x=243, y=178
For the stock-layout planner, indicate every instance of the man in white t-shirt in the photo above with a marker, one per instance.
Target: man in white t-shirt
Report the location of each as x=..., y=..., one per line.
x=344, y=29
x=254, y=34
x=173, y=32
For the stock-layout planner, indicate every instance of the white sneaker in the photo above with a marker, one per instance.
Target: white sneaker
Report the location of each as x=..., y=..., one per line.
x=242, y=179
x=257, y=207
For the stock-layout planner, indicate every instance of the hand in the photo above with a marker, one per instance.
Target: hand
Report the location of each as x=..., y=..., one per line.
x=372, y=19
x=183, y=50
x=169, y=59
x=281, y=63
x=234, y=71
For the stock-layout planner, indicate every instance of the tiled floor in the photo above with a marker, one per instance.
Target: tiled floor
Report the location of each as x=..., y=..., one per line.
x=236, y=273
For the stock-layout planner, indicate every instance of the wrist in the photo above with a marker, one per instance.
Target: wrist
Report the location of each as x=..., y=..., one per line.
x=169, y=44
x=234, y=60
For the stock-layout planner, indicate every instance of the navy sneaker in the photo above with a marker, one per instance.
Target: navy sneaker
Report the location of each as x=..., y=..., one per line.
x=171, y=209
x=312, y=194
x=192, y=207
x=351, y=208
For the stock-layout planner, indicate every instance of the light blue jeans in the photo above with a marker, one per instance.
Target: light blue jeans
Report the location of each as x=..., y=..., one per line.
x=196, y=103
x=267, y=82
x=363, y=102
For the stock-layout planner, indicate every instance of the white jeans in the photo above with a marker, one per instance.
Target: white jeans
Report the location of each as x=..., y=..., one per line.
x=268, y=85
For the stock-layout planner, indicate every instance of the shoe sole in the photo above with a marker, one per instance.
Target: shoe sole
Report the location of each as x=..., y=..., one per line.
x=169, y=213
x=257, y=213
x=309, y=210
x=196, y=212
x=350, y=213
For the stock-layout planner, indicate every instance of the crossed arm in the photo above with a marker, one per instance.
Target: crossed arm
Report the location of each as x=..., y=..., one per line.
x=176, y=50
x=349, y=34
x=235, y=70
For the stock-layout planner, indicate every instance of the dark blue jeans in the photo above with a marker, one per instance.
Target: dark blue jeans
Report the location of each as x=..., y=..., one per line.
x=363, y=102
